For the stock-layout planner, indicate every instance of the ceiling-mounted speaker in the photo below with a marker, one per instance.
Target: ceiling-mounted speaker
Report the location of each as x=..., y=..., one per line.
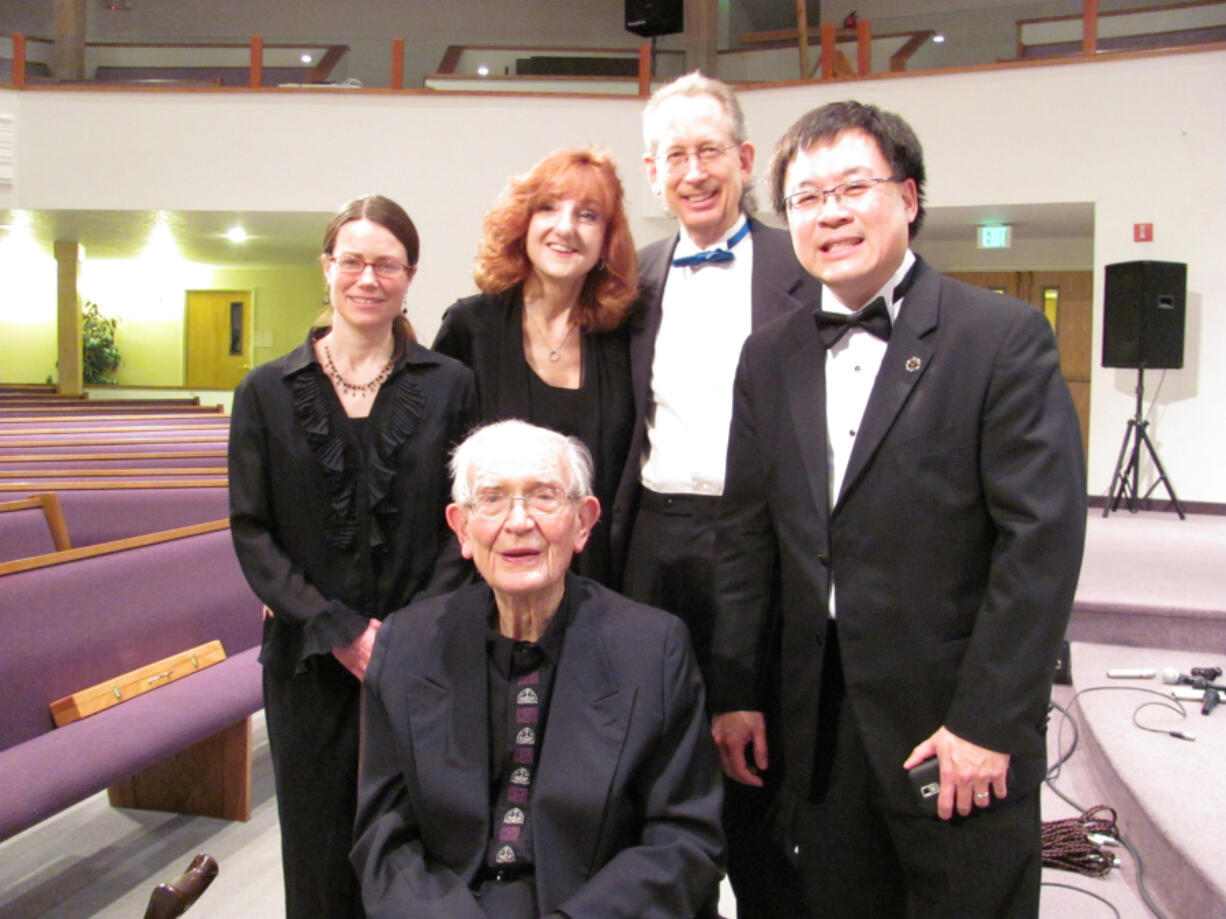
x=650, y=18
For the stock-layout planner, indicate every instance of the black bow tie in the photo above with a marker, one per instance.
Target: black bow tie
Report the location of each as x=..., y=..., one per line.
x=874, y=318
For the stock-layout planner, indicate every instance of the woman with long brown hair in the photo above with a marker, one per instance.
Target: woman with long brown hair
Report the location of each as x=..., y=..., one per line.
x=338, y=482
x=546, y=338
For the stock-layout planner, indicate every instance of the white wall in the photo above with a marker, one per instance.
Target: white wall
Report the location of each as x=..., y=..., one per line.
x=1142, y=139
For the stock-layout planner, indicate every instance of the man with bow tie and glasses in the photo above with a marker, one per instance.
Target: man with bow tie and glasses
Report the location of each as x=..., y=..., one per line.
x=705, y=287
x=905, y=482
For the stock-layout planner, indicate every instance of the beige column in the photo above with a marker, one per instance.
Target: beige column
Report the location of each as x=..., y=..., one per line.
x=69, y=56
x=701, y=36
x=68, y=313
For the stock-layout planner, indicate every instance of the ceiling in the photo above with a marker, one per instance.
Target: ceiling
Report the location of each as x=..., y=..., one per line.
x=293, y=238
x=274, y=238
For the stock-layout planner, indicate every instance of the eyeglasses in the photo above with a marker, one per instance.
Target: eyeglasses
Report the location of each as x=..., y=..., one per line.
x=809, y=200
x=545, y=501
x=708, y=154
x=387, y=268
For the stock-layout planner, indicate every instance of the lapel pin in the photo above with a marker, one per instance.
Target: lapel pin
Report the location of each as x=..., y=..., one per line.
x=913, y=364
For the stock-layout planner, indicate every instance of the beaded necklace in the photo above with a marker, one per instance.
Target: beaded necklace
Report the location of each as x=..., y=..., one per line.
x=355, y=389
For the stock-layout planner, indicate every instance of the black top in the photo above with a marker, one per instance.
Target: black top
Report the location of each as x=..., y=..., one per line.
x=330, y=533
x=486, y=333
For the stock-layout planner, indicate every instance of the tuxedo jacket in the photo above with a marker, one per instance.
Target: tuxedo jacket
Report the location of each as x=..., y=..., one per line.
x=778, y=285
x=955, y=543
x=626, y=800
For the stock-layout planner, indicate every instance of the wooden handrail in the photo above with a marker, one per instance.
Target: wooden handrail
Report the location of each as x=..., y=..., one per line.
x=257, y=62
x=107, y=548
x=106, y=442
x=125, y=473
x=19, y=60
x=397, y=63
x=113, y=486
x=802, y=37
x=828, y=36
x=110, y=457
x=42, y=424
x=864, y=54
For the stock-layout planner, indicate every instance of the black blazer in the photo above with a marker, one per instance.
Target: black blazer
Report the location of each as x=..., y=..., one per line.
x=331, y=533
x=955, y=544
x=627, y=796
x=485, y=332
x=779, y=285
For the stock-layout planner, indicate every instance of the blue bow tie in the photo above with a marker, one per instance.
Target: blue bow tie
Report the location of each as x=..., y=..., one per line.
x=713, y=256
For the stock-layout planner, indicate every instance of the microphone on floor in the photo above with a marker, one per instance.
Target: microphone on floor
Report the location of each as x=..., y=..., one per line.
x=1173, y=677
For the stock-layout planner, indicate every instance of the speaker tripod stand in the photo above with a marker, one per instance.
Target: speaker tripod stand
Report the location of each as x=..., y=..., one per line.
x=1127, y=478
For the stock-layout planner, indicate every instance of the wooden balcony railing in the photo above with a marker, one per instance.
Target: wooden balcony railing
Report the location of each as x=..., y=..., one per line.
x=27, y=62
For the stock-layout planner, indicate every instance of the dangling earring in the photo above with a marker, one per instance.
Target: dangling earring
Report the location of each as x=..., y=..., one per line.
x=327, y=297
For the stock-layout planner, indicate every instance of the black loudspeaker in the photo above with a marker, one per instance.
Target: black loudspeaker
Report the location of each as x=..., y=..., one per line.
x=650, y=18
x=1143, y=314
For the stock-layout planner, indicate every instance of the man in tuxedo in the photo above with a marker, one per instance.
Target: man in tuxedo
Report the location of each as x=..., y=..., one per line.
x=905, y=479
x=536, y=744
x=705, y=287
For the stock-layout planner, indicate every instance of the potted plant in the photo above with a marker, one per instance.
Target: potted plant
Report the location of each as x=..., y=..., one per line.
x=101, y=357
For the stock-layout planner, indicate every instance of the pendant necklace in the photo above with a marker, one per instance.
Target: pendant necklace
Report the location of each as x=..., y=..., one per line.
x=554, y=356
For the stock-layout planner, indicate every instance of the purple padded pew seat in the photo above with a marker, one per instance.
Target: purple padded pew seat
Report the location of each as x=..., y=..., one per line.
x=71, y=763
x=24, y=533
x=101, y=515
x=29, y=446
x=76, y=624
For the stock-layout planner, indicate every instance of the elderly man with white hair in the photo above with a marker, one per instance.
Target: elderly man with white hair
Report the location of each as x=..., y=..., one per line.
x=534, y=744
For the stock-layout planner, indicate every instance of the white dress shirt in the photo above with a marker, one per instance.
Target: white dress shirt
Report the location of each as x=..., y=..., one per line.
x=706, y=314
x=851, y=370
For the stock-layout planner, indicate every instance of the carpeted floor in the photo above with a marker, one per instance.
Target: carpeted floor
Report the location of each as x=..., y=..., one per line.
x=1156, y=580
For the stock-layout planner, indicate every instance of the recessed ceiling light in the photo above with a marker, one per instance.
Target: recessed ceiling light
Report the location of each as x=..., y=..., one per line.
x=306, y=58
x=483, y=71
x=938, y=38
x=236, y=235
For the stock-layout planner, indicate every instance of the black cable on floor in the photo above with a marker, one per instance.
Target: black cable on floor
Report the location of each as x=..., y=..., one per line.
x=1063, y=758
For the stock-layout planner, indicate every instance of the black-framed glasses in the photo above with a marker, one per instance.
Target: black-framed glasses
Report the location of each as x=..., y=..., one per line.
x=495, y=504
x=809, y=200
x=677, y=159
x=387, y=268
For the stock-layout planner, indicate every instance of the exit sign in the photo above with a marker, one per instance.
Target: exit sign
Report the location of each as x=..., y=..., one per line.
x=995, y=237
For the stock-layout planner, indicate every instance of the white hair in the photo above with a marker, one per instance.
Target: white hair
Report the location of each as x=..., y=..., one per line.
x=503, y=436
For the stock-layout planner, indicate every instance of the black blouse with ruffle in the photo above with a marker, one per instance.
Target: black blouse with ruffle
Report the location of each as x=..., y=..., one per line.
x=332, y=526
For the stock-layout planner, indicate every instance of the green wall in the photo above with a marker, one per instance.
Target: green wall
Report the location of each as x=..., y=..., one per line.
x=149, y=303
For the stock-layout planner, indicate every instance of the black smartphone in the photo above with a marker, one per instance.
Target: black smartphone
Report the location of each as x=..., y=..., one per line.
x=926, y=783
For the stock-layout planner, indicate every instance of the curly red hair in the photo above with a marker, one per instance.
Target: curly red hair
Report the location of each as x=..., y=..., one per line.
x=584, y=173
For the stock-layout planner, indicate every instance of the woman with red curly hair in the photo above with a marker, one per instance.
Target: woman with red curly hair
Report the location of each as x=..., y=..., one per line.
x=546, y=339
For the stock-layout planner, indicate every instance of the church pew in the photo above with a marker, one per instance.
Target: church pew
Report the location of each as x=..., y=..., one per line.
x=78, y=618
x=213, y=460
x=32, y=525
x=120, y=442
x=98, y=515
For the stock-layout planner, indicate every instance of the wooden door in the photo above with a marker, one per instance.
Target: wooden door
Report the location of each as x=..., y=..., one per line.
x=218, y=338
x=1066, y=298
